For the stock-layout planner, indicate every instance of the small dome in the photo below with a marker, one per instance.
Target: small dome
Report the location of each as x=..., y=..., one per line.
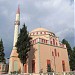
x=39, y=29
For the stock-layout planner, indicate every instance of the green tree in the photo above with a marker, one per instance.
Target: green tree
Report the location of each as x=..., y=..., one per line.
x=72, y=60
x=2, y=54
x=70, y=52
x=69, y=49
x=48, y=68
x=23, y=45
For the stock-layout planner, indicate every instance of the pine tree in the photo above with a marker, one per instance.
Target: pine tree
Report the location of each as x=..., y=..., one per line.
x=72, y=60
x=23, y=44
x=2, y=59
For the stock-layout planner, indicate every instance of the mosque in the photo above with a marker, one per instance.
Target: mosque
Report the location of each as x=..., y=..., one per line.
x=46, y=50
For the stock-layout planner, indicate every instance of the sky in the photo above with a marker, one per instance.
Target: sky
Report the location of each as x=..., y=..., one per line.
x=55, y=15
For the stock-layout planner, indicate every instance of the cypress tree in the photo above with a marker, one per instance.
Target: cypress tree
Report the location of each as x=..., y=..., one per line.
x=70, y=52
x=72, y=60
x=69, y=49
x=2, y=54
x=23, y=44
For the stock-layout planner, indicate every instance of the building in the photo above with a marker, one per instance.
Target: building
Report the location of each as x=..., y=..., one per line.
x=46, y=50
x=3, y=68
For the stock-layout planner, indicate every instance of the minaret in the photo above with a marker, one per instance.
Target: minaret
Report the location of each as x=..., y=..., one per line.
x=16, y=31
x=14, y=62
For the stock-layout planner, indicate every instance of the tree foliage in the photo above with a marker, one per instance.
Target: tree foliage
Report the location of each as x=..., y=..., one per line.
x=23, y=44
x=49, y=68
x=71, y=54
x=2, y=54
x=69, y=49
x=72, y=60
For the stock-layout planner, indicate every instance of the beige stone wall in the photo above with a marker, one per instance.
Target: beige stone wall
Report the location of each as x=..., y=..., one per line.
x=44, y=51
x=46, y=54
x=13, y=58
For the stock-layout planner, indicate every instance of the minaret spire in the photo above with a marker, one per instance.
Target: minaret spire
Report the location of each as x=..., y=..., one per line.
x=17, y=23
x=18, y=10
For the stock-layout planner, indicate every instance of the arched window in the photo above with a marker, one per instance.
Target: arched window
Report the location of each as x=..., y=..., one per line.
x=53, y=42
x=39, y=40
x=44, y=32
x=42, y=40
x=55, y=52
x=46, y=41
x=37, y=32
x=25, y=68
x=48, y=61
x=56, y=44
x=33, y=66
x=40, y=32
x=48, y=65
x=52, y=53
x=58, y=54
x=63, y=65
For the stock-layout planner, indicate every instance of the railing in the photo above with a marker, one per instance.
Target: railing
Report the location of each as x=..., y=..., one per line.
x=51, y=73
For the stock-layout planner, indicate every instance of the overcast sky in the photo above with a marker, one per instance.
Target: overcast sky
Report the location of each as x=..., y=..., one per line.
x=55, y=15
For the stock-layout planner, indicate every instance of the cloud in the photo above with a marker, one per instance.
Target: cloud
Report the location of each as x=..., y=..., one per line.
x=54, y=15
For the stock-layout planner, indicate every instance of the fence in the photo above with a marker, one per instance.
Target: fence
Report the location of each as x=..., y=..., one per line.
x=51, y=73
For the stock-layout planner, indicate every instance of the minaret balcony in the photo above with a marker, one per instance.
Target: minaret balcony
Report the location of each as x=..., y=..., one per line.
x=17, y=22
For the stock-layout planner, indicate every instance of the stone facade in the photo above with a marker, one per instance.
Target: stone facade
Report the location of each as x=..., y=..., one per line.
x=47, y=49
